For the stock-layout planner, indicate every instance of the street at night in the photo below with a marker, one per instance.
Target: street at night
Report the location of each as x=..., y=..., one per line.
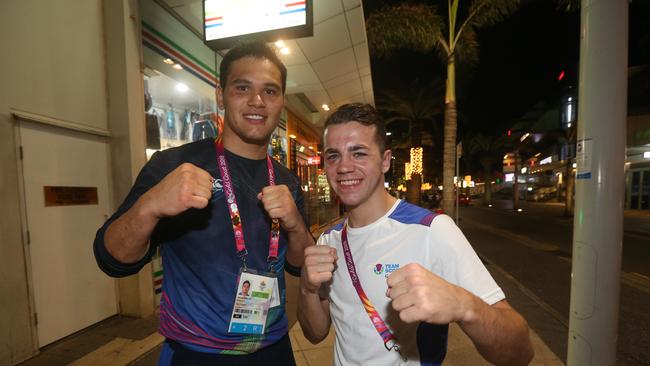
x=529, y=253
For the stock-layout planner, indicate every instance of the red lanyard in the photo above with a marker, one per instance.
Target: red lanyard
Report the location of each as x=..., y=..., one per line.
x=374, y=316
x=274, y=238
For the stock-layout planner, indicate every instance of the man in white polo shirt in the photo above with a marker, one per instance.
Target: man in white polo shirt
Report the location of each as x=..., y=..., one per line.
x=394, y=275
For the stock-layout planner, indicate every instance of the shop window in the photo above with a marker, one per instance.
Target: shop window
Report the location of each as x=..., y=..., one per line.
x=176, y=114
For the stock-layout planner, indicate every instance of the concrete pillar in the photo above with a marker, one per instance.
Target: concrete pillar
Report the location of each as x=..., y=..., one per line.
x=600, y=157
x=127, y=126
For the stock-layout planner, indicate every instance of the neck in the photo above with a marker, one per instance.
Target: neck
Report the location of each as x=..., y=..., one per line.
x=372, y=210
x=237, y=146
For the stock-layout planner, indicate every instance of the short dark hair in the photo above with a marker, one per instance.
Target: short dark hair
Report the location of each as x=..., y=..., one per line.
x=363, y=113
x=257, y=50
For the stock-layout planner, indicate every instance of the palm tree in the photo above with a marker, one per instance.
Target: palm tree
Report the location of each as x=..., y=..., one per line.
x=420, y=27
x=417, y=106
x=487, y=149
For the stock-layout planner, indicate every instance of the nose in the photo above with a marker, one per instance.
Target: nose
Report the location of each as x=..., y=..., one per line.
x=256, y=99
x=345, y=165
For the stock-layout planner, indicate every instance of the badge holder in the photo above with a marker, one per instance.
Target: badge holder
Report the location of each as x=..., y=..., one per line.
x=256, y=293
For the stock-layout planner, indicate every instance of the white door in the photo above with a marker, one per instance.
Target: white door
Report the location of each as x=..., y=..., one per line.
x=70, y=292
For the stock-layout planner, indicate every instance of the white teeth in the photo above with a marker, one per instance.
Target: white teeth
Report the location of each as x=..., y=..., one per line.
x=253, y=116
x=349, y=182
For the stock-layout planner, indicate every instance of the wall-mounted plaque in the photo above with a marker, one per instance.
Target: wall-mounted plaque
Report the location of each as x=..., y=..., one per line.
x=70, y=196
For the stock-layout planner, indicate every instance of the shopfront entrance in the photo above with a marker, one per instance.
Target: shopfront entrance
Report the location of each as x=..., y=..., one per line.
x=640, y=189
x=66, y=198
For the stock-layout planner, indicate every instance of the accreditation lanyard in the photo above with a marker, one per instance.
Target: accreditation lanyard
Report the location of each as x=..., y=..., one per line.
x=374, y=316
x=240, y=244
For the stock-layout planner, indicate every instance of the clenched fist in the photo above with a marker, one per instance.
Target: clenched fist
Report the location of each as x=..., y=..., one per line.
x=279, y=204
x=320, y=261
x=187, y=186
x=419, y=295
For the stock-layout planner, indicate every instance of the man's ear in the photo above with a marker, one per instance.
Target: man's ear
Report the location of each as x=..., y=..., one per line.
x=385, y=161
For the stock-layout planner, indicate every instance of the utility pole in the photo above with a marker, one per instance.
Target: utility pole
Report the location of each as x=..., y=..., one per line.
x=600, y=157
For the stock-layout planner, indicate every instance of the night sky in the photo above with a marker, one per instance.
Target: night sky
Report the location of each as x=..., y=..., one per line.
x=520, y=60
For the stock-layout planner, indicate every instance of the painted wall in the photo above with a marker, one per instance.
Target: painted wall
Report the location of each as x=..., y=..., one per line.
x=55, y=66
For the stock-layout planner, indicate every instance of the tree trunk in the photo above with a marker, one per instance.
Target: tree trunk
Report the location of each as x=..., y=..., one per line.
x=449, y=145
x=488, y=188
x=515, y=186
x=413, y=189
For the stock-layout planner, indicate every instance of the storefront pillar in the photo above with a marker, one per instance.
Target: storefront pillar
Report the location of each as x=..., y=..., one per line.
x=127, y=127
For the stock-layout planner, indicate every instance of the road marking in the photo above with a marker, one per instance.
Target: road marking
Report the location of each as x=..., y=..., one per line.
x=632, y=279
x=636, y=280
x=538, y=300
x=531, y=243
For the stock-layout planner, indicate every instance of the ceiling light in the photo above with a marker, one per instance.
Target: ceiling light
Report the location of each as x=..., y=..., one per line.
x=325, y=107
x=292, y=136
x=168, y=61
x=182, y=87
x=280, y=44
x=177, y=67
x=311, y=148
x=285, y=50
x=388, y=133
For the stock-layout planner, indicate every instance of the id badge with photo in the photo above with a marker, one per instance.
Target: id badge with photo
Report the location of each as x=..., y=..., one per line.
x=255, y=292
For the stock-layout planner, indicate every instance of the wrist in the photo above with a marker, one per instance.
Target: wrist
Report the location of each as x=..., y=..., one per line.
x=145, y=209
x=468, y=311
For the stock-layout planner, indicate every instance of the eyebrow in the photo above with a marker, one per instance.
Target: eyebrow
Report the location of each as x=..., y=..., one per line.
x=248, y=82
x=351, y=149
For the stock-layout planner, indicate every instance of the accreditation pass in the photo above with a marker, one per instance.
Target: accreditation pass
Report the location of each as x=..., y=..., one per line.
x=255, y=293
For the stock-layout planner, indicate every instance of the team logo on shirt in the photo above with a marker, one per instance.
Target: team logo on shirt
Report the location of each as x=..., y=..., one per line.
x=385, y=268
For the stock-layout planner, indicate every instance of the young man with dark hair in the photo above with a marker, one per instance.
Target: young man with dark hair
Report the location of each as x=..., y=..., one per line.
x=223, y=214
x=392, y=276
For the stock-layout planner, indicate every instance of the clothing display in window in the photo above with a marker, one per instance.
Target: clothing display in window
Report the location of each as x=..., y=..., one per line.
x=152, y=124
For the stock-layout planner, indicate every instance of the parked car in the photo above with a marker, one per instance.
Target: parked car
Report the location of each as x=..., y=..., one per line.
x=464, y=200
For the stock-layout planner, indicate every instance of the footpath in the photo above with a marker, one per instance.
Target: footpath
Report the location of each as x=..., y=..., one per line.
x=122, y=341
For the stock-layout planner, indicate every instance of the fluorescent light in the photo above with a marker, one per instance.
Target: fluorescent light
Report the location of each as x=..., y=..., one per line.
x=182, y=87
x=177, y=67
x=524, y=137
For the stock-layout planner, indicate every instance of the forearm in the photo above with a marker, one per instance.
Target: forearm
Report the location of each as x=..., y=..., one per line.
x=127, y=238
x=298, y=240
x=499, y=333
x=313, y=315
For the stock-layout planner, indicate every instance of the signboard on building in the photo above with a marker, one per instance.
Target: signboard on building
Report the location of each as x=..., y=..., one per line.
x=226, y=22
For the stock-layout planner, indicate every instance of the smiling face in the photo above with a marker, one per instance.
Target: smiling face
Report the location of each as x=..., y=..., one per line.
x=253, y=100
x=354, y=164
